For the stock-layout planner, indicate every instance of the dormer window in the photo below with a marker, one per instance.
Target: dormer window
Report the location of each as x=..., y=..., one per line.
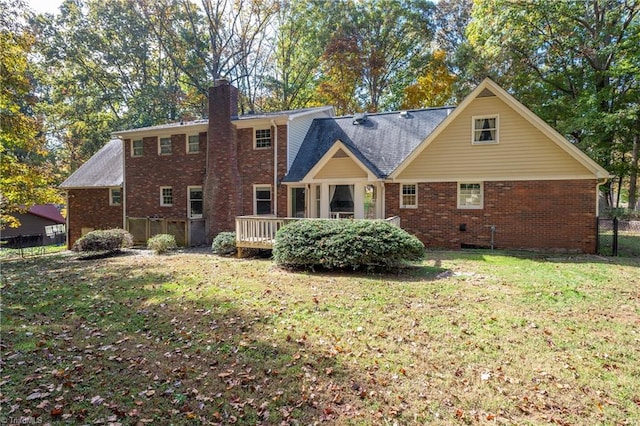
x=263, y=138
x=485, y=130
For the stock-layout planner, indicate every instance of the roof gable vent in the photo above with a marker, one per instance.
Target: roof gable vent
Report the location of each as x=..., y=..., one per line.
x=360, y=118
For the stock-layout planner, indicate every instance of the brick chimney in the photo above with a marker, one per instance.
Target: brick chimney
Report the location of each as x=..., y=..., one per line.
x=223, y=186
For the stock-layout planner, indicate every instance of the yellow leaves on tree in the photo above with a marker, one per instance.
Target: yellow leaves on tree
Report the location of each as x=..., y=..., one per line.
x=25, y=173
x=433, y=88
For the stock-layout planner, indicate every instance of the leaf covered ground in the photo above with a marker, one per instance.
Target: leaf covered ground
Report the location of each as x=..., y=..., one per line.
x=192, y=338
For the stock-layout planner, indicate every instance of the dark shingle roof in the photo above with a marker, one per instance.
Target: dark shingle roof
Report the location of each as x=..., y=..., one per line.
x=103, y=169
x=382, y=142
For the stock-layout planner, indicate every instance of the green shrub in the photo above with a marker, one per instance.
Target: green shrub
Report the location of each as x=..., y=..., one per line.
x=162, y=243
x=353, y=244
x=224, y=243
x=103, y=240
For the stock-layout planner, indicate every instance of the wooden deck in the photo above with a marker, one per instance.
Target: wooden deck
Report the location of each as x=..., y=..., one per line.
x=259, y=232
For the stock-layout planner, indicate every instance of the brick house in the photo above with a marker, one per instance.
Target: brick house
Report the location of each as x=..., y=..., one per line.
x=488, y=173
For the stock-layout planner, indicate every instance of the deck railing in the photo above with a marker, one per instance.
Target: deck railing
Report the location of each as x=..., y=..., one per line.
x=260, y=231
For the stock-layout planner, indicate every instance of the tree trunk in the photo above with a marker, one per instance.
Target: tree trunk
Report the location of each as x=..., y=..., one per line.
x=633, y=174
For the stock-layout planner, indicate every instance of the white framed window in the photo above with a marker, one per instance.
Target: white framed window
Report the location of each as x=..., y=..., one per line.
x=485, y=129
x=470, y=195
x=115, y=196
x=164, y=146
x=193, y=144
x=137, y=148
x=262, y=199
x=408, y=196
x=195, y=202
x=166, y=196
x=262, y=138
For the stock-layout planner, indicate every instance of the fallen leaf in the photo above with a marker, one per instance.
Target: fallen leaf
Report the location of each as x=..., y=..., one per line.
x=97, y=400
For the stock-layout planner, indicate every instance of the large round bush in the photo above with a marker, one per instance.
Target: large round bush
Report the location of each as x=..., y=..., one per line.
x=103, y=240
x=224, y=243
x=339, y=244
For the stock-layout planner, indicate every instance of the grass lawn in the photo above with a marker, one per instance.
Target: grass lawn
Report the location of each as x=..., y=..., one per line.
x=190, y=338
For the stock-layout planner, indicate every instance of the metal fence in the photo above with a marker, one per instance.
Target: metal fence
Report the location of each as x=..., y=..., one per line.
x=617, y=237
x=34, y=244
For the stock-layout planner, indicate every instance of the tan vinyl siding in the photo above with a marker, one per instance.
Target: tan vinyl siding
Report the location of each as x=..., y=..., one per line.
x=341, y=168
x=523, y=151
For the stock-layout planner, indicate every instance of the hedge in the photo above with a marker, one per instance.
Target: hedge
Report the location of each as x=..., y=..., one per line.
x=345, y=244
x=162, y=243
x=103, y=240
x=224, y=243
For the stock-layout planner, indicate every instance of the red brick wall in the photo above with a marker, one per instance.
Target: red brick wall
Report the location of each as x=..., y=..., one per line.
x=256, y=167
x=542, y=215
x=89, y=208
x=222, y=191
x=146, y=174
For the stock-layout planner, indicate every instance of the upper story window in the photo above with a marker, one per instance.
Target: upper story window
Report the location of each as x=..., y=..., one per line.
x=166, y=196
x=137, y=148
x=164, y=146
x=470, y=195
x=408, y=196
x=263, y=138
x=115, y=196
x=485, y=129
x=193, y=144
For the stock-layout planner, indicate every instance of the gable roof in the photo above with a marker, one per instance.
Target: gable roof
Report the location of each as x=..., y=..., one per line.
x=380, y=143
x=493, y=88
x=102, y=170
x=47, y=211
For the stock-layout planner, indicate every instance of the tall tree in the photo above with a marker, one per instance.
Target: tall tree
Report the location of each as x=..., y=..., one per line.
x=572, y=62
x=302, y=29
x=214, y=39
x=102, y=68
x=388, y=39
x=433, y=88
x=26, y=175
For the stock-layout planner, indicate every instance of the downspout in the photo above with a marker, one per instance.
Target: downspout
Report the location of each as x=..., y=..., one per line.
x=66, y=219
x=124, y=186
x=275, y=168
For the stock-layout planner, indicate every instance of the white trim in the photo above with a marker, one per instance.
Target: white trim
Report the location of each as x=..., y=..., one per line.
x=256, y=187
x=494, y=141
x=162, y=204
x=163, y=130
x=160, y=145
x=197, y=135
x=472, y=206
x=597, y=170
x=337, y=145
x=133, y=150
x=111, y=203
x=189, y=188
x=496, y=179
x=401, y=196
